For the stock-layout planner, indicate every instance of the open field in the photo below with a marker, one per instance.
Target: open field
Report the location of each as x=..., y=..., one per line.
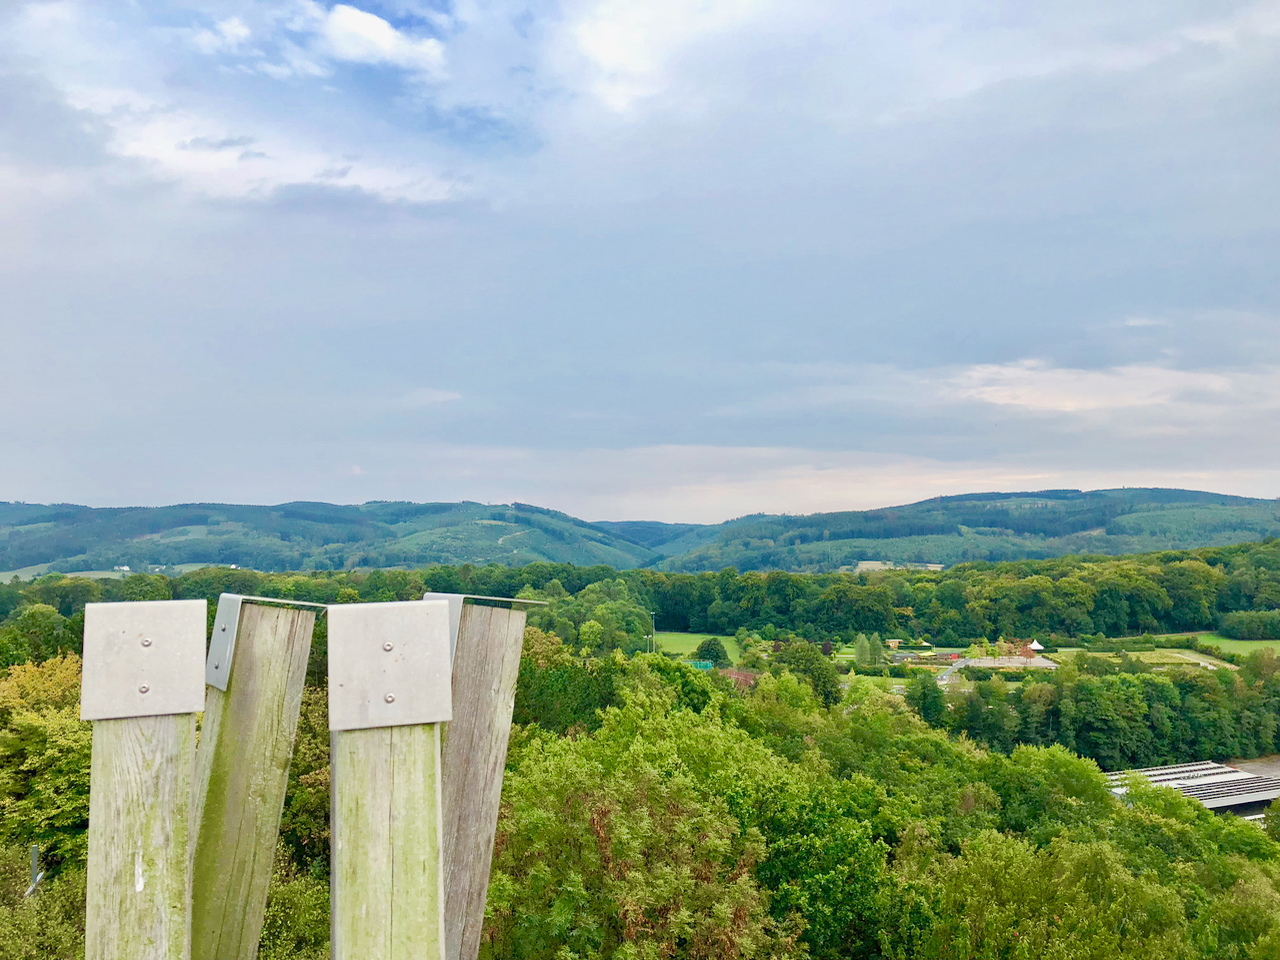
x=1157, y=658
x=1227, y=645
x=685, y=643
x=40, y=569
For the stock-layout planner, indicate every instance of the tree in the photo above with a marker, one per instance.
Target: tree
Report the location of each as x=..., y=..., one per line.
x=1271, y=820
x=35, y=632
x=924, y=694
x=862, y=651
x=712, y=649
x=806, y=660
x=591, y=633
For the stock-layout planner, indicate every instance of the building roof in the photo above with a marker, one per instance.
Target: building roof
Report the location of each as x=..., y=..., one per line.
x=1215, y=785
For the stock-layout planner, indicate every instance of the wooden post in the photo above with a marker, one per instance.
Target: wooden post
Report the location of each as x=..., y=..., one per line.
x=142, y=686
x=242, y=769
x=486, y=664
x=389, y=691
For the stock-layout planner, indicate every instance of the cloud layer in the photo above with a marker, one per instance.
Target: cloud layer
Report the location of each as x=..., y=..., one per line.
x=674, y=259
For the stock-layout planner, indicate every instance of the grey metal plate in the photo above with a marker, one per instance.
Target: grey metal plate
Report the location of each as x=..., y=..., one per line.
x=226, y=628
x=455, y=610
x=389, y=664
x=226, y=624
x=143, y=659
x=455, y=616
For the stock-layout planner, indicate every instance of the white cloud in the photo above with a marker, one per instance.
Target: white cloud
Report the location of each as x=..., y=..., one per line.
x=356, y=36
x=1034, y=385
x=630, y=45
x=227, y=36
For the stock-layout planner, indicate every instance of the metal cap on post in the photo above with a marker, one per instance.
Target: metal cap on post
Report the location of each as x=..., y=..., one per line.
x=389, y=693
x=143, y=659
x=143, y=684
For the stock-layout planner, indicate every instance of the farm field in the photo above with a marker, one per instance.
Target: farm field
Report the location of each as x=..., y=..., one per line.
x=1158, y=658
x=1227, y=645
x=685, y=643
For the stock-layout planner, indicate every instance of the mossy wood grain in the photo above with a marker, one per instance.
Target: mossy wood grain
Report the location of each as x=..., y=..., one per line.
x=139, y=883
x=242, y=770
x=387, y=881
x=486, y=663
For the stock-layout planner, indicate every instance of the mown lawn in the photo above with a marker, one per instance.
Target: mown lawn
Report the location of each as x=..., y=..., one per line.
x=685, y=643
x=1227, y=645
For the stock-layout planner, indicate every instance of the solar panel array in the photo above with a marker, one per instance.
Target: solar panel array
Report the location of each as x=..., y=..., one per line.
x=1215, y=785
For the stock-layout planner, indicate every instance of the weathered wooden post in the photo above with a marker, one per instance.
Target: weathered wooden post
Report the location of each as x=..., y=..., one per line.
x=486, y=663
x=142, y=685
x=389, y=693
x=255, y=672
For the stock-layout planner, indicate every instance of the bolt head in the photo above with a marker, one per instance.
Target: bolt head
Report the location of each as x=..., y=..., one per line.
x=390, y=698
x=144, y=688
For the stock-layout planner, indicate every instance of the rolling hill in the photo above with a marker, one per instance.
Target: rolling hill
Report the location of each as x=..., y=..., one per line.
x=322, y=536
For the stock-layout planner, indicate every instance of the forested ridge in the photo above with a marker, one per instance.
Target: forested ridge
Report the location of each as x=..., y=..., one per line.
x=323, y=536
x=654, y=811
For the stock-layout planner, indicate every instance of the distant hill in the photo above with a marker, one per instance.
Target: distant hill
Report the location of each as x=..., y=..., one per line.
x=984, y=526
x=322, y=536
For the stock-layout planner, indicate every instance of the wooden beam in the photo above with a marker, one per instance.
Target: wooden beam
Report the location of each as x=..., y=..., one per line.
x=142, y=685
x=387, y=882
x=389, y=694
x=139, y=883
x=242, y=770
x=486, y=663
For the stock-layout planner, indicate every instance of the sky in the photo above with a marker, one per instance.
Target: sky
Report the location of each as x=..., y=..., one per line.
x=680, y=259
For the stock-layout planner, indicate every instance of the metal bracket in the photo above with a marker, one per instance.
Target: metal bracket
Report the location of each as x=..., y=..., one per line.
x=226, y=628
x=455, y=610
x=388, y=664
x=142, y=659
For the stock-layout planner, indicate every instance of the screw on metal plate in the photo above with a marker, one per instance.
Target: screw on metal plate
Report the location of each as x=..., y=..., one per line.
x=226, y=628
x=413, y=640
x=142, y=659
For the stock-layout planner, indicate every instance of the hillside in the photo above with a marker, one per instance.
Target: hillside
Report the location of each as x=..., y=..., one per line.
x=321, y=536
x=987, y=526
x=299, y=536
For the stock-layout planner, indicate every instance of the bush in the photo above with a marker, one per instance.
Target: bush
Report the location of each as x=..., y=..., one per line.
x=1251, y=625
x=296, y=924
x=47, y=926
x=712, y=649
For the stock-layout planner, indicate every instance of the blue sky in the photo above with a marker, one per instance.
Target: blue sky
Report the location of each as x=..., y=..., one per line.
x=680, y=260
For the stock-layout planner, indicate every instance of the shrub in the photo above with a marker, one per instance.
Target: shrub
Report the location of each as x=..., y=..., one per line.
x=48, y=926
x=1251, y=625
x=712, y=649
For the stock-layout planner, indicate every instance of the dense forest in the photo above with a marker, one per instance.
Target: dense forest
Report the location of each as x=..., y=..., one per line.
x=1236, y=587
x=650, y=810
x=654, y=811
x=320, y=536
